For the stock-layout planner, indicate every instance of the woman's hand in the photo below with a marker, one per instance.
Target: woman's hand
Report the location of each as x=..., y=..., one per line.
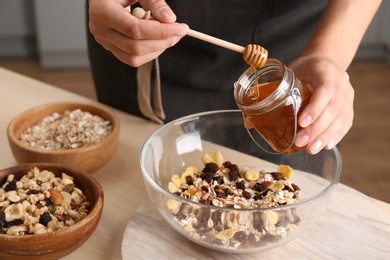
x=329, y=115
x=134, y=41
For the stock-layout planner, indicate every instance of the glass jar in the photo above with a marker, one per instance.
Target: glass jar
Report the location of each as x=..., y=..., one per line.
x=271, y=99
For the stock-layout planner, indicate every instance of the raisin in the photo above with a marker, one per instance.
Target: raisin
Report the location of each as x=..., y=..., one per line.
x=10, y=186
x=189, y=180
x=278, y=176
x=246, y=195
x=295, y=186
x=239, y=236
x=266, y=184
x=211, y=167
x=209, y=176
x=2, y=222
x=45, y=218
x=258, y=187
x=227, y=192
x=47, y=201
x=258, y=197
x=204, y=188
x=233, y=175
x=227, y=164
x=32, y=192
x=241, y=185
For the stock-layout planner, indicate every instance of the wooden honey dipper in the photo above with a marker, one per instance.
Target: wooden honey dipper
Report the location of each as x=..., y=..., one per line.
x=254, y=55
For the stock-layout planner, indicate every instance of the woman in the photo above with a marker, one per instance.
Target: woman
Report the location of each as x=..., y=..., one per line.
x=317, y=39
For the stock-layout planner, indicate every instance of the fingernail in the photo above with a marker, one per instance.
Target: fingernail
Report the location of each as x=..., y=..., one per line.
x=306, y=120
x=331, y=144
x=301, y=140
x=316, y=146
x=166, y=12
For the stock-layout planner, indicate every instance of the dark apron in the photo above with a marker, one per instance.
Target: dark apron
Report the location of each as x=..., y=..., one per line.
x=197, y=76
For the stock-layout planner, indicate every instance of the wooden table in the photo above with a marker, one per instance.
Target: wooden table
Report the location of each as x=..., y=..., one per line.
x=124, y=190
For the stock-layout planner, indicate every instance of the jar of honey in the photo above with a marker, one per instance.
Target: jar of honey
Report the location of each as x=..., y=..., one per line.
x=271, y=99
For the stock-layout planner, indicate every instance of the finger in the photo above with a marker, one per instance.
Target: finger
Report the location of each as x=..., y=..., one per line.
x=137, y=47
x=122, y=21
x=160, y=10
x=134, y=61
x=336, y=129
x=320, y=98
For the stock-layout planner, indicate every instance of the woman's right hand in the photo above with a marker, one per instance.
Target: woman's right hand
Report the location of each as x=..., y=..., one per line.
x=132, y=40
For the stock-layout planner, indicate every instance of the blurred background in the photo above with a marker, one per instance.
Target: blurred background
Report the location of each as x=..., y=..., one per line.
x=46, y=40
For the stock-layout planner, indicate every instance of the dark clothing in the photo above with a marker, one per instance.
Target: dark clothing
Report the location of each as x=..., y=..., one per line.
x=197, y=76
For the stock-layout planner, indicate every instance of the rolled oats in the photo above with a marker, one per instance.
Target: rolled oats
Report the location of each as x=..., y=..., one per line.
x=225, y=185
x=69, y=130
x=46, y=203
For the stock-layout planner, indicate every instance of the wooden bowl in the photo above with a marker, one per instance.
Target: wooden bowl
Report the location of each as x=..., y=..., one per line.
x=59, y=243
x=88, y=159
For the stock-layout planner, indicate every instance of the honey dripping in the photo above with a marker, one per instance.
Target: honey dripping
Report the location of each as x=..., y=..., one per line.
x=277, y=126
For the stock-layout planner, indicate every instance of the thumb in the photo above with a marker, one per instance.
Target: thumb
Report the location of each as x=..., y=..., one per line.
x=160, y=10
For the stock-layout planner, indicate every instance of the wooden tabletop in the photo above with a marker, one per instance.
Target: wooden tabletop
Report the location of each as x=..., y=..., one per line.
x=124, y=191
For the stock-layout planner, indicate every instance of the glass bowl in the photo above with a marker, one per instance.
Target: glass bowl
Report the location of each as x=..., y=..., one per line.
x=181, y=143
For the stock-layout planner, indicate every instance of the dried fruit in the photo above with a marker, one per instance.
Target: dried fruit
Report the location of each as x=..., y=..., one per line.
x=252, y=175
x=213, y=157
x=286, y=170
x=225, y=234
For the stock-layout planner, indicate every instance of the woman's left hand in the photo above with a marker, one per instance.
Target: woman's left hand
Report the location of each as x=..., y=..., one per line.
x=329, y=115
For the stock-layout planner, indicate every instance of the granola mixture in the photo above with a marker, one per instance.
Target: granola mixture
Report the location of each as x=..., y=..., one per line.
x=39, y=203
x=69, y=130
x=225, y=185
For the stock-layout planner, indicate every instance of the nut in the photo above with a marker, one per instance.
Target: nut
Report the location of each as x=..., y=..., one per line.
x=55, y=197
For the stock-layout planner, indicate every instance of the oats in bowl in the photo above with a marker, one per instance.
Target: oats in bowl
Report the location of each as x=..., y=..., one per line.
x=223, y=184
x=68, y=130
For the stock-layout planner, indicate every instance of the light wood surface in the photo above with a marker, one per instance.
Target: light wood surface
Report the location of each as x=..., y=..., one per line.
x=124, y=190
x=364, y=149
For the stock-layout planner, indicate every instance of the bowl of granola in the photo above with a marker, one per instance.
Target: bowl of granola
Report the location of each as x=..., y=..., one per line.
x=217, y=188
x=46, y=210
x=80, y=135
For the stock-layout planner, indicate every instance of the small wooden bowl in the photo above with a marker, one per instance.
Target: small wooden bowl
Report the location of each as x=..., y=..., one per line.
x=61, y=242
x=88, y=159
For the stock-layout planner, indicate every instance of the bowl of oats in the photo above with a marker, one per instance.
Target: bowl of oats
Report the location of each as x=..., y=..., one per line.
x=216, y=187
x=46, y=210
x=80, y=135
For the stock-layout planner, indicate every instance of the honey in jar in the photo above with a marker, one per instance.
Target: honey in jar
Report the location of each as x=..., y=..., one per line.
x=271, y=99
